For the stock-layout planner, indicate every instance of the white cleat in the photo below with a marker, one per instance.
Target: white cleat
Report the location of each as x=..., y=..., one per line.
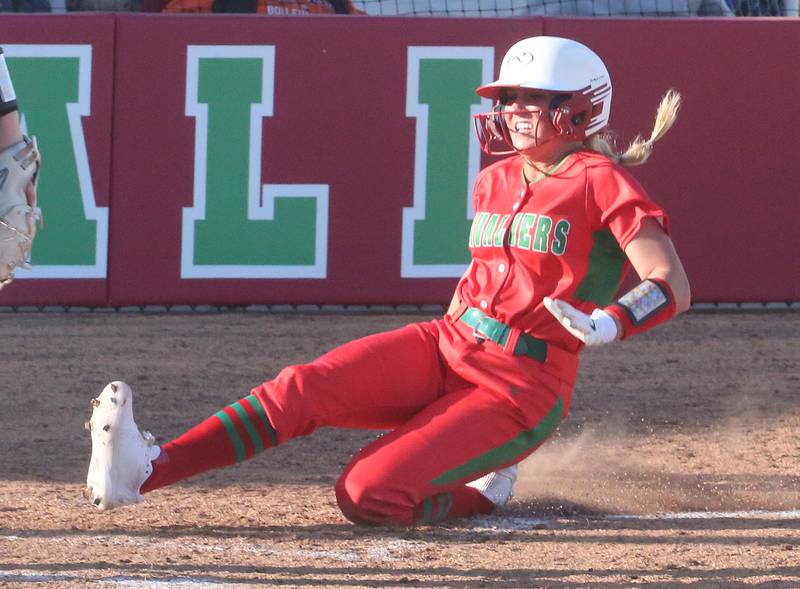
x=121, y=455
x=497, y=486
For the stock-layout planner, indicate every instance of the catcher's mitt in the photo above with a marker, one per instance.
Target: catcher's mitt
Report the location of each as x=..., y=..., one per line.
x=19, y=167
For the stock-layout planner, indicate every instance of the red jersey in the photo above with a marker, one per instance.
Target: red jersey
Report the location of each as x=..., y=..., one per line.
x=562, y=236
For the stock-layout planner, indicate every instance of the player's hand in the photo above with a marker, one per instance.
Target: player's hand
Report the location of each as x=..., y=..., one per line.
x=593, y=330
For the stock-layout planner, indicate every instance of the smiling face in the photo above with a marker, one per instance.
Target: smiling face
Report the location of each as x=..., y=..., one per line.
x=526, y=114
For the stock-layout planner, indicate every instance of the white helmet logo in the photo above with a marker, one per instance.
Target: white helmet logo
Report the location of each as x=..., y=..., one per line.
x=522, y=57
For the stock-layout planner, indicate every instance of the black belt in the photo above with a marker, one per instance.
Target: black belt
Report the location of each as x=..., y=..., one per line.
x=485, y=327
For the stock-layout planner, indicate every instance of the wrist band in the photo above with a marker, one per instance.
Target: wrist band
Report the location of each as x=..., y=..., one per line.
x=8, y=99
x=648, y=304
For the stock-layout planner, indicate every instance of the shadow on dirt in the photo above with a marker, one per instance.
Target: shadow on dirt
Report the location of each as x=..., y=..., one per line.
x=360, y=576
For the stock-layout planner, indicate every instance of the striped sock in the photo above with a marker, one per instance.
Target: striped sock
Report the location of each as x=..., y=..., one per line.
x=237, y=432
x=462, y=502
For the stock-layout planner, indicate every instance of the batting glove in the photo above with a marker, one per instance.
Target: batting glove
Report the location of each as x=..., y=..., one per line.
x=593, y=330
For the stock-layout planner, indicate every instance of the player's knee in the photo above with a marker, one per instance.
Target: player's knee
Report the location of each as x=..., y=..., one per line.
x=353, y=496
x=347, y=501
x=366, y=499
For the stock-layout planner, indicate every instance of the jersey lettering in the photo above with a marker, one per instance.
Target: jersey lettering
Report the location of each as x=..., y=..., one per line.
x=489, y=233
x=528, y=231
x=500, y=234
x=525, y=226
x=512, y=239
x=477, y=229
x=542, y=239
x=560, y=237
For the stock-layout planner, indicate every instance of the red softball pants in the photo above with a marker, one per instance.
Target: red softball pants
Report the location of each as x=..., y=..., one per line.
x=456, y=409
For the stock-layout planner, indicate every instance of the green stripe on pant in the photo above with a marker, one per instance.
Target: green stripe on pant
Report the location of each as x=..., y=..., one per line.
x=518, y=445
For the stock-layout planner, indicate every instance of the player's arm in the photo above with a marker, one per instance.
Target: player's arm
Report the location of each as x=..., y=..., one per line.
x=652, y=254
x=663, y=293
x=10, y=131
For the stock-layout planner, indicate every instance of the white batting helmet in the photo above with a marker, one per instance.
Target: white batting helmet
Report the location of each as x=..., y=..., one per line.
x=562, y=67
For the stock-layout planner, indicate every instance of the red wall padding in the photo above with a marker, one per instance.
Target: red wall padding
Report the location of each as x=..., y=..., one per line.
x=724, y=173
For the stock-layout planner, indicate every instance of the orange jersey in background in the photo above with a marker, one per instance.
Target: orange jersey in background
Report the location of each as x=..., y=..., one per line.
x=269, y=7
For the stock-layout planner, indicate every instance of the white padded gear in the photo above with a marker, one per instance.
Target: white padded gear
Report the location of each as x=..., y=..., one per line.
x=19, y=166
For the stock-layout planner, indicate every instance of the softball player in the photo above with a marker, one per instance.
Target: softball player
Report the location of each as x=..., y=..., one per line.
x=468, y=396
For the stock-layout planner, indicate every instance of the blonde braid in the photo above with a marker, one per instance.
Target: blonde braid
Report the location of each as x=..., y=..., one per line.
x=639, y=150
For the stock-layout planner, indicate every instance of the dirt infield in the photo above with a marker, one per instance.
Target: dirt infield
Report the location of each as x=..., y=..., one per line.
x=696, y=423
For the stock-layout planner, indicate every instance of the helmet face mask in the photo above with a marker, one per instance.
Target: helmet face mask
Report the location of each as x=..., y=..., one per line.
x=492, y=130
x=571, y=72
x=569, y=115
